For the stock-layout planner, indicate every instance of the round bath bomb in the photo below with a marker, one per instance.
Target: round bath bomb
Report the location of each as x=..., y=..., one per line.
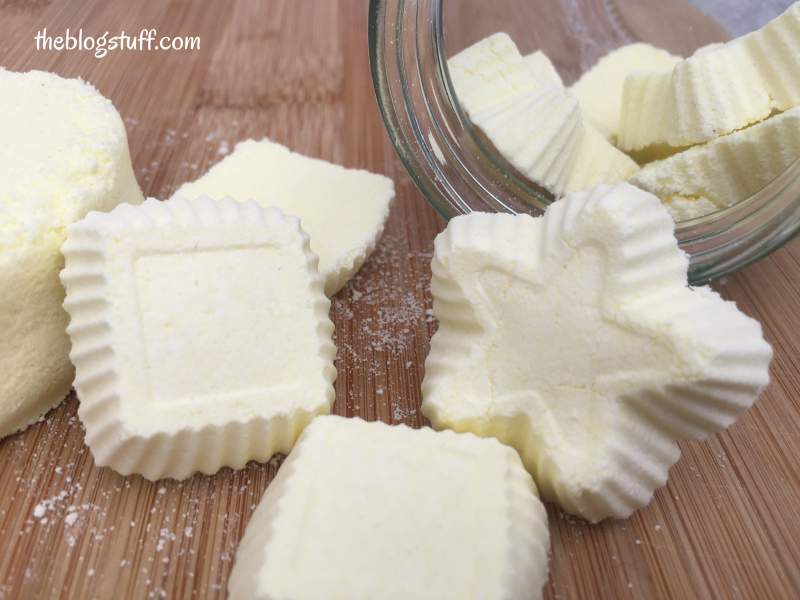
x=64, y=153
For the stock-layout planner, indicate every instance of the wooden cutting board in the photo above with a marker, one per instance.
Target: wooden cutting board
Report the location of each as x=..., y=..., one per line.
x=725, y=526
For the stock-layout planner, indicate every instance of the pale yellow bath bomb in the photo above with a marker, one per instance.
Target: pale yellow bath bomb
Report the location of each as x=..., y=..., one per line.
x=64, y=153
x=599, y=90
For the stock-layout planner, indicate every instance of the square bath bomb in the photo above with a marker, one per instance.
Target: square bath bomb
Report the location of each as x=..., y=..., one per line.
x=200, y=334
x=366, y=510
x=342, y=210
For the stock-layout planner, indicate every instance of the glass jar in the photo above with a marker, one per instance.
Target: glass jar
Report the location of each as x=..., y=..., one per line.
x=457, y=171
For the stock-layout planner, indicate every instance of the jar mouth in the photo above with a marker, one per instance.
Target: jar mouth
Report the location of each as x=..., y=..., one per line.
x=458, y=170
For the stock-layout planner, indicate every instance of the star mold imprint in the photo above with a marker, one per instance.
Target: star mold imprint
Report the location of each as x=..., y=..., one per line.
x=575, y=339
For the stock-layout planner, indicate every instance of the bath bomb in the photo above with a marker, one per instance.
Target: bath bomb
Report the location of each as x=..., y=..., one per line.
x=599, y=90
x=574, y=338
x=65, y=153
x=362, y=511
x=342, y=210
x=200, y=334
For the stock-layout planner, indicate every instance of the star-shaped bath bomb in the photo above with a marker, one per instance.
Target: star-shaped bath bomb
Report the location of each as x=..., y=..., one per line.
x=574, y=338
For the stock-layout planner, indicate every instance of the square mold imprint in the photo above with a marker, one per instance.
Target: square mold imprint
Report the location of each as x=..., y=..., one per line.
x=200, y=334
x=366, y=510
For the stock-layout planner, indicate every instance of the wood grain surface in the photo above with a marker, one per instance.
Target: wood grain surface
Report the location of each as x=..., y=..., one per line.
x=725, y=526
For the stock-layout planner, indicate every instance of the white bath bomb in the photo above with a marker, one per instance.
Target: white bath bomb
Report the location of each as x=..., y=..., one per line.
x=64, y=153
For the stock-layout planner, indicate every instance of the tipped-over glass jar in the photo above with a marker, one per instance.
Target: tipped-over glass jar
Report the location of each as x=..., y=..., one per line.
x=458, y=171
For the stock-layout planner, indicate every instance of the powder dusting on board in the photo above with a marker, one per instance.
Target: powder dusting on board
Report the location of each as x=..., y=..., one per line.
x=80, y=514
x=383, y=327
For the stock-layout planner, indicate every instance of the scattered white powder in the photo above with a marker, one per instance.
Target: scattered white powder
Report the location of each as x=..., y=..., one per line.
x=70, y=519
x=390, y=318
x=172, y=142
x=400, y=414
x=164, y=536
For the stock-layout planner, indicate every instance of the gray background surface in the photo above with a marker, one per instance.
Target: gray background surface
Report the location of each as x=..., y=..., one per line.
x=741, y=16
